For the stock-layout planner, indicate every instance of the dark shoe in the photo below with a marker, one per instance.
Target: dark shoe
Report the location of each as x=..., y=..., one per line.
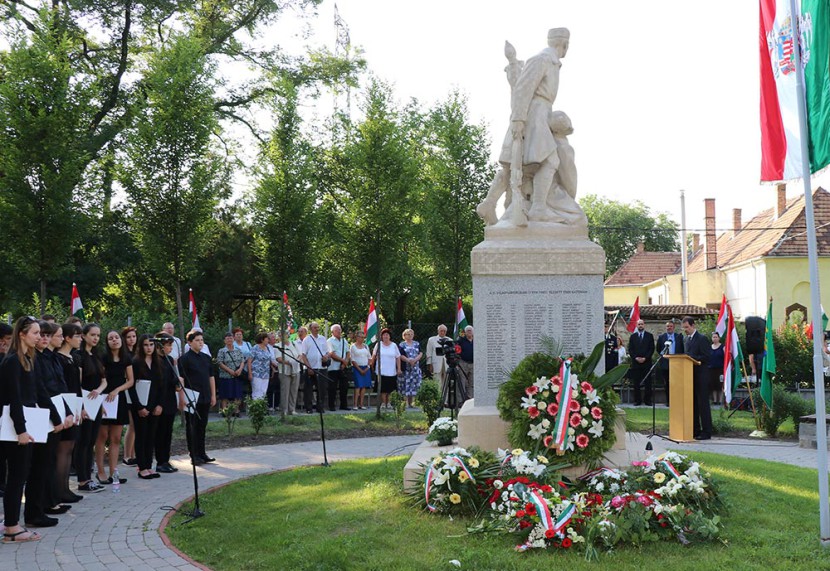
x=703, y=437
x=90, y=487
x=62, y=509
x=71, y=499
x=638, y=404
x=43, y=522
x=106, y=482
x=208, y=459
x=345, y=408
x=166, y=469
x=148, y=476
x=130, y=461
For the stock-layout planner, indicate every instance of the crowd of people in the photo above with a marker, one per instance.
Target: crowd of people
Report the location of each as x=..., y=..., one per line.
x=148, y=379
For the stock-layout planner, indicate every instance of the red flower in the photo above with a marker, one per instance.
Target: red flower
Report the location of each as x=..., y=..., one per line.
x=530, y=509
x=524, y=524
x=574, y=406
x=547, y=441
x=533, y=412
x=556, y=380
x=550, y=534
x=663, y=524
x=553, y=408
x=576, y=419
x=582, y=440
x=563, y=485
x=531, y=390
x=566, y=543
x=596, y=412
x=547, y=489
x=586, y=386
x=520, y=514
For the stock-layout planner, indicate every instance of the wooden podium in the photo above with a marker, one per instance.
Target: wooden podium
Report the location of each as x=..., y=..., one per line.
x=681, y=393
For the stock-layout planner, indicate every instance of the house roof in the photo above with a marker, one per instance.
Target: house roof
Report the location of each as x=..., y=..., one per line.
x=768, y=236
x=645, y=267
x=659, y=312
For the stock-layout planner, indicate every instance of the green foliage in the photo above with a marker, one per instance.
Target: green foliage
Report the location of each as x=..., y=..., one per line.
x=429, y=399
x=229, y=414
x=722, y=424
x=793, y=356
x=398, y=403
x=618, y=227
x=509, y=401
x=785, y=405
x=257, y=410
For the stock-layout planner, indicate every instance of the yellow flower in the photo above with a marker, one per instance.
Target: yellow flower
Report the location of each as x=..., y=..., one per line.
x=517, y=452
x=463, y=477
x=473, y=463
x=541, y=459
x=455, y=498
x=659, y=477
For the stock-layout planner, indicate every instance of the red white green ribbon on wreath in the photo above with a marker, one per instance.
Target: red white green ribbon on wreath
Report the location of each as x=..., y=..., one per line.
x=560, y=427
x=565, y=517
x=541, y=508
x=671, y=469
x=430, y=475
x=547, y=521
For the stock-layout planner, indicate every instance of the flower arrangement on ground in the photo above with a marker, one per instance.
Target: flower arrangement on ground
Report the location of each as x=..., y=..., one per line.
x=454, y=482
x=443, y=431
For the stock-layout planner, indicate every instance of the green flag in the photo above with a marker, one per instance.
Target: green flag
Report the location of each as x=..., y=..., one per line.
x=768, y=368
x=816, y=56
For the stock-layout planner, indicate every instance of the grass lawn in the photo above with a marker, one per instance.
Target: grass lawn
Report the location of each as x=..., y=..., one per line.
x=741, y=423
x=354, y=516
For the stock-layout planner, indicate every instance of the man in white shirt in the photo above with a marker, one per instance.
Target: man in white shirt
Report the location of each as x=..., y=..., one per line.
x=177, y=343
x=339, y=355
x=288, y=357
x=316, y=358
x=436, y=364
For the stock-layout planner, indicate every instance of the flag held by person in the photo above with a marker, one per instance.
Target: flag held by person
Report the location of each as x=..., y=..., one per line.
x=768, y=368
x=191, y=308
x=76, y=308
x=370, y=330
x=289, y=315
x=723, y=318
x=634, y=316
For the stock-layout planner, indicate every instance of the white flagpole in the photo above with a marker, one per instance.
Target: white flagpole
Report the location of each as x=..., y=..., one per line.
x=815, y=297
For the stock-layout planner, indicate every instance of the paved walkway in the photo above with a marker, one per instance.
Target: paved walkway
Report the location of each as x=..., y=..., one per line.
x=115, y=533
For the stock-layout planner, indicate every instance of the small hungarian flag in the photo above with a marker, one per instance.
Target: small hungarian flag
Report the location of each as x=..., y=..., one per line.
x=723, y=318
x=76, y=308
x=780, y=131
x=823, y=324
x=191, y=307
x=370, y=330
x=732, y=358
x=460, y=319
x=292, y=325
x=634, y=316
x=768, y=368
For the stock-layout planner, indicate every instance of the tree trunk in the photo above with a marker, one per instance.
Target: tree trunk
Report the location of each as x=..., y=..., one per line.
x=42, y=296
x=179, y=310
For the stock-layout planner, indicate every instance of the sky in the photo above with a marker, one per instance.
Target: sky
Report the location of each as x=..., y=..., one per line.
x=663, y=95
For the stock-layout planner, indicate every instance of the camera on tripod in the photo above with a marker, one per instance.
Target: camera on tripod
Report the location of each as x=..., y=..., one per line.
x=448, y=349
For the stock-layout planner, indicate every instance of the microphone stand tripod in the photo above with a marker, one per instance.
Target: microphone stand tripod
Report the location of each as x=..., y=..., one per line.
x=191, y=406
x=649, y=446
x=325, y=463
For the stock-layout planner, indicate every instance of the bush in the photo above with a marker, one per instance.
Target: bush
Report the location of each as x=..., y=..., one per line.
x=229, y=414
x=429, y=397
x=793, y=356
x=784, y=405
x=398, y=403
x=257, y=412
x=722, y=424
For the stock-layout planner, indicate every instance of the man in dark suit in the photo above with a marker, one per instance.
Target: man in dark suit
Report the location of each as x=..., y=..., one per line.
x=612, y=355
x=675, y=348
x=641, y=349
x=698, y=347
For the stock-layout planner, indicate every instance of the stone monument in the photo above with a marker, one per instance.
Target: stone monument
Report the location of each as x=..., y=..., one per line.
x=536, y=273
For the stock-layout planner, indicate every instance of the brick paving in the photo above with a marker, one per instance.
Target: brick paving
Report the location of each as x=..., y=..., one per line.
x=120, y=532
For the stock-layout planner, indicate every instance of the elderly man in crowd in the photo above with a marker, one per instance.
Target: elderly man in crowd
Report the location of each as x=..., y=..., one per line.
x=288, y=357
x=436, y=364
x=339, y=360
x=177, y=343
x=316, y=358
x=465, y=363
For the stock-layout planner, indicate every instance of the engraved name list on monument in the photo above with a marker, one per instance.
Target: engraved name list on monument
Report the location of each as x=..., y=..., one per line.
x=527, y=315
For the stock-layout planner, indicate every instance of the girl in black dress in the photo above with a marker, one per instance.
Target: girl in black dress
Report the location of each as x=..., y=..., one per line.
x=69, y=360
x=93, y=380
x=172, y=400
x=129, y=337
x=118, y=367
x=148, y=367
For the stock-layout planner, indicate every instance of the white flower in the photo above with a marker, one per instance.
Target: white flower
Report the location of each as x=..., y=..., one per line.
x=584, y=423
x=584, y=411
x=596, y=428
x=528, y=402
x=501, y=454
x=542, y=383
x=542, y=405
x=571, y=431
x=614, y=488
x=498, y=484
x=440, y=478
x=574, y=393
x=599, y=487
x=546, y=423
x=592, y=396
x=536, y=431
x=555, y=388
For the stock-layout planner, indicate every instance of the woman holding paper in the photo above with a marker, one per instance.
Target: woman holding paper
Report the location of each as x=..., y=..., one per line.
x=146, y=405
x=70, y=362
x=18, y=390
x=129, y=337
x=93, y=383
x=118, y=367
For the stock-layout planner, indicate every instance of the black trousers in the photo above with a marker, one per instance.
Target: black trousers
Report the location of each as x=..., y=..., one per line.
x=196, y=428
x=307, y=382
x=83, y=454
x=41, y=475
x=640, y=380
x=164, y=437
x=318, y=382
x=338, y=384
x=145, y=440
x=272, y=395
x=17, y=461
x=2, y=468
x=702, y=420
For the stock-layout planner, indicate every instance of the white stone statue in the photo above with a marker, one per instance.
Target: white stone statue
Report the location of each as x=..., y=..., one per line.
x=537, y=174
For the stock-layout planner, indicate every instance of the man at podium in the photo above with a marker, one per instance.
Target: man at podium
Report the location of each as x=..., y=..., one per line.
x=698, y=347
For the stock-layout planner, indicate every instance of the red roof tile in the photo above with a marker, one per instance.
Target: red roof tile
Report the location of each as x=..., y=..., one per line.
x=645, y=267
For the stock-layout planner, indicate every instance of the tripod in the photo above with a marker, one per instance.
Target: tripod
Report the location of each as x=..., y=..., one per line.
x=452, y=389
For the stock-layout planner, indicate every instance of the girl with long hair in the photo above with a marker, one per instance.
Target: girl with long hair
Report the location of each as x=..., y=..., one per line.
x=69, y=360
x=93, y=380
x=129, y=337
x=147, y=367
x=118, y=367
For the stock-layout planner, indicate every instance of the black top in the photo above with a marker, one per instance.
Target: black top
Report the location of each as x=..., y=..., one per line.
x=50, y=373
x=167, y=391
x=716, y=358
x=19, y=388
x=196, y=368
x=153, y=374
x=466, y=349
x=612, y=356
x=71, y=366
x=116, y=373
x=93, y=371
x=641, y=346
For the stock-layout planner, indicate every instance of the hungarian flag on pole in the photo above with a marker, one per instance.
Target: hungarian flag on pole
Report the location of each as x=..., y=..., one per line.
x=824, y=321
x=370, y=330
x=634, y=316
x=780, y=142
x=723, y=318
x=768, y=368
x=76, y=308
x=732, y=358
x=460, y=319
x=191, y=307
x=289, y=315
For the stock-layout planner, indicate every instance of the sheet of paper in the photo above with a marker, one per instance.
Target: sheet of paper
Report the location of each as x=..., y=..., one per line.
x=74, y=402
x=142, y=387
x=37, y=424
x=190, y=396
x=92, y=406
x=57, y=400
x=129, y=398
x=110, y=407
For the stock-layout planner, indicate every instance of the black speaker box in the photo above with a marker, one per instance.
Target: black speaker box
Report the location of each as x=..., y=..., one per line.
x=756, y=328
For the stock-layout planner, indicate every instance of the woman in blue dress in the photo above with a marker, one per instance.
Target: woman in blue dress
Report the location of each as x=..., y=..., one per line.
x=411, y=365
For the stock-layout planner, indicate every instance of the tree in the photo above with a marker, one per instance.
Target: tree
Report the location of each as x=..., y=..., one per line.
x=618, y=227
x=457, y=174
x=173, y=178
